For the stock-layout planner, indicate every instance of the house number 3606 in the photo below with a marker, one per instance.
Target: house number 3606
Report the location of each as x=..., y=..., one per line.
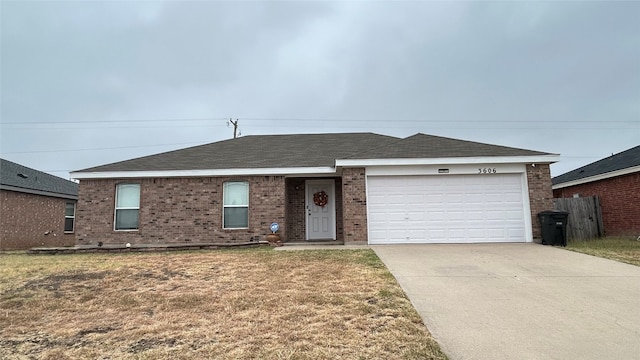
x=487, y=171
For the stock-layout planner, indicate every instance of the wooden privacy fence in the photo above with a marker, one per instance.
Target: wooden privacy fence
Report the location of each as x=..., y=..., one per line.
x=585, y=217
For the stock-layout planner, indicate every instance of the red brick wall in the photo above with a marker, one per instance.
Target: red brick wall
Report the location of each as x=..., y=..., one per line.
x=619, y=199
x=179, y=210
x=25, y=218
x=354, y=204
x=339, y=211
x=296, y=211
x=540, y=194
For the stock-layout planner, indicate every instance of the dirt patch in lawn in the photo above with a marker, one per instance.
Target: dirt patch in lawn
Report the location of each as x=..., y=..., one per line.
x=619, y=249
x=252, y=304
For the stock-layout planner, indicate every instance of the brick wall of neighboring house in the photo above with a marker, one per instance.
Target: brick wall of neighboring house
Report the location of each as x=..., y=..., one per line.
x=619, y=200
x=296, y=209
x=540, y=194
x=354, y=205
x=26, y=218
x=179, y=210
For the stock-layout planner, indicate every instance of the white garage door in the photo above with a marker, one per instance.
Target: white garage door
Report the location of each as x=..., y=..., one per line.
x=446, y=209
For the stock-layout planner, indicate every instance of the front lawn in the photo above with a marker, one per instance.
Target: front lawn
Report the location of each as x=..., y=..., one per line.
x=241, y=304
x=623, y=250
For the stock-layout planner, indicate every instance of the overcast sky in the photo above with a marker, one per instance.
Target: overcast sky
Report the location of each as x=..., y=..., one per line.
x=89, y=83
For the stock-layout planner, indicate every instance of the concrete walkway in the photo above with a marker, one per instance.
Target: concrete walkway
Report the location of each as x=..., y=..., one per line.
x=520, y=301
x=321, y=247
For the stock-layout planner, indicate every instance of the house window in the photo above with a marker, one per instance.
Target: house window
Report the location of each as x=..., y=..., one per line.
x=69, y=216
x=127, y=206
x=236, y=205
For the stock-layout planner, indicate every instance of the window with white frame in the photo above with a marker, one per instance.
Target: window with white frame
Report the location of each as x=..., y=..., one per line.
x=69, y=216
x=127, y=206
x=235, y=213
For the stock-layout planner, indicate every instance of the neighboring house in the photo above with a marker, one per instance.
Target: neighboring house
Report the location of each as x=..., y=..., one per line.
x=616, y=181
x=36, y=208
x=350, y=187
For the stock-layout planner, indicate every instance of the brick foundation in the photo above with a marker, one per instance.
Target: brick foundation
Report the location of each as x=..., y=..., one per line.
x=619, y=199
x=25, y=218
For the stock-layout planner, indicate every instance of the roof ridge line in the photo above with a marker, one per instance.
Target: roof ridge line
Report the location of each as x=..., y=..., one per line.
x=396, y=140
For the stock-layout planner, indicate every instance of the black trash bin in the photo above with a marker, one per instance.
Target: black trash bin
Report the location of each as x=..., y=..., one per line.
x=554, y=227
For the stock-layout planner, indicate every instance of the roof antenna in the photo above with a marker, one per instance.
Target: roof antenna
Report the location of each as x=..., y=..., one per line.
x=236, y=131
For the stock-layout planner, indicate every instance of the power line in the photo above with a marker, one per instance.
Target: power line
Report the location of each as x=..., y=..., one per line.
x=417, y=120
x=495, y=126
x=96, y=149
x=341, y=120
x=107, y=121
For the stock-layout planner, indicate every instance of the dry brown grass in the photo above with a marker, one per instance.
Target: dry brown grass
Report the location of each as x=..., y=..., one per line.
x=619, y=249
x=250, y=304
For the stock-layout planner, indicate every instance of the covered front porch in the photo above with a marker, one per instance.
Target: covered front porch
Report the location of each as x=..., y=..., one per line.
x=314, y=211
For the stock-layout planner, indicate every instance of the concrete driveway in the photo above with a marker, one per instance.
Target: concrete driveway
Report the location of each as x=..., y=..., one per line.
x=520, y=301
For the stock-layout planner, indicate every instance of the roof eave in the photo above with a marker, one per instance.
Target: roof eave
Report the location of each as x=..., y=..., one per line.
x=324, y=170
x=598, y=177
x=38, y=192
x=533, y=159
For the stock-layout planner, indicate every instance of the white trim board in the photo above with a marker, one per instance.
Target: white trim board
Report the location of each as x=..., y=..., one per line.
x=321, y=170
x=541, y=159
x=200, y=173
x=446, y=169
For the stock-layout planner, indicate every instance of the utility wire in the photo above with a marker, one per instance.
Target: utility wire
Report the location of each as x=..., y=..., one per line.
x=96, y=149
x=414, y=120
x=491, y=126
x=108, y=121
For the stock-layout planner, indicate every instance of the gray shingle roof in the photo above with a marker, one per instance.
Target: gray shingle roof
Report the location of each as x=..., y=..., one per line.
x=257, y=151
x=626, y=159
x=21, y=178
x=307, y=150
x=429, y=146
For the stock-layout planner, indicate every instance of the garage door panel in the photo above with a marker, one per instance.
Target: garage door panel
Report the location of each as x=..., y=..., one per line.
x=512, y=216
x=494, y=215
x=476, y=198
x=515, y=232
x=416, y=199
x=446, y=209
x=415, y=216
x=511, y=197
x=434, y=198
x=476, y=215
x=455, y=199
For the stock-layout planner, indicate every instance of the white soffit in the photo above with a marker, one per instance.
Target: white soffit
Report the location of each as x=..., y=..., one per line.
x=201, y=173
x=543, y=159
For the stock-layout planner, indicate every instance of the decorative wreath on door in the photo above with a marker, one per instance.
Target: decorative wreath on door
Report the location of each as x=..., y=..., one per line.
x=320, y=198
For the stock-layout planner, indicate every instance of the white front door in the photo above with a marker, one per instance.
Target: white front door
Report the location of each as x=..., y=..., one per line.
x=321, y=220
